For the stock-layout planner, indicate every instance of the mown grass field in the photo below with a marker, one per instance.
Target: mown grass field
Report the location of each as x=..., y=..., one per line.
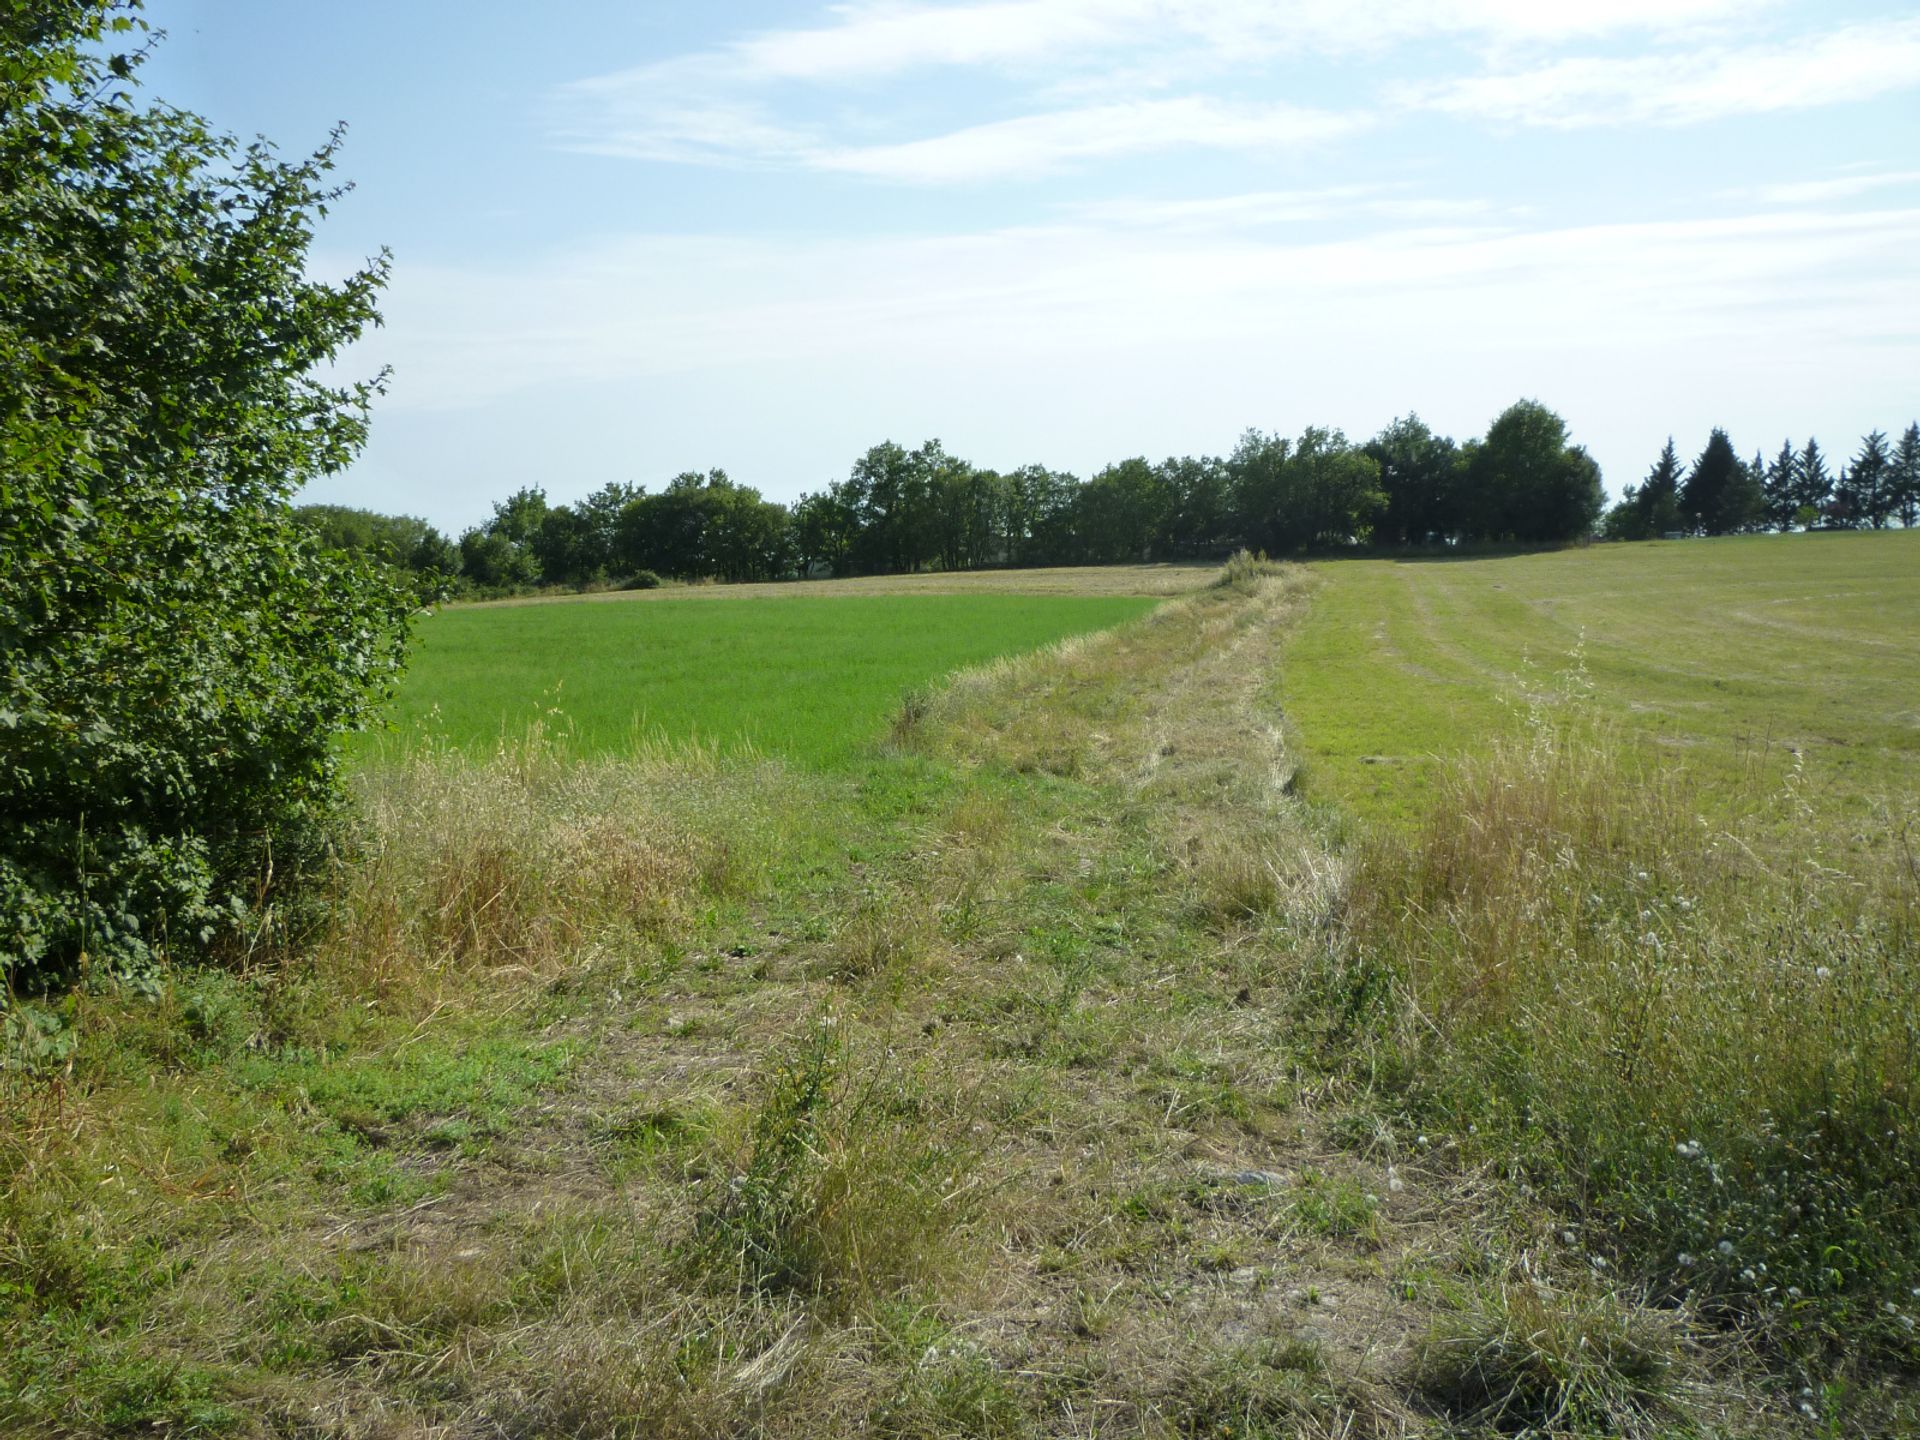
x=810, y=678
x=1733, y=658
x=1055, y=1070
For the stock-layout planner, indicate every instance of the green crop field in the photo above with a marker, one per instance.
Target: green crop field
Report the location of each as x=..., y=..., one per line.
x=808, y=678
x=1736, y=658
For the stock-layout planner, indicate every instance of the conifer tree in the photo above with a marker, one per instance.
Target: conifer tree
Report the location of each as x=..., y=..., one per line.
x=1719, y=495
x=1868, y=493
x=1657, y=502
x=1779, y=488
x=1812, y=485
x=1906, y=481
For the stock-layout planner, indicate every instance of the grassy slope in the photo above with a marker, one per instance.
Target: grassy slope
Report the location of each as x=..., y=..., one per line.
x=1725, y=652
x=809, y=678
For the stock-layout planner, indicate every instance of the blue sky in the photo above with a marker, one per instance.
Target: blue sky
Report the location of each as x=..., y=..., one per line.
x=633, y=239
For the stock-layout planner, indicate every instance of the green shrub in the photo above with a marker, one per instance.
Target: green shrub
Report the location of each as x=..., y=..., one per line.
x=177, y=655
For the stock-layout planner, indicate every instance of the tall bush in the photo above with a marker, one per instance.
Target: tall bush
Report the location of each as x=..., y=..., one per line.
x=177, y=656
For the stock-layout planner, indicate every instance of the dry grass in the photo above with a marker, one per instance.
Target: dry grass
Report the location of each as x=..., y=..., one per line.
x=1706, y=1049
x=964, y=1093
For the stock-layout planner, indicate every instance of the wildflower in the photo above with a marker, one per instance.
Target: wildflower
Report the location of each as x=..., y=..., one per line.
x=1725, y=1247
x=1685, y=1259
x=1688, y=1149
x=1823, y=973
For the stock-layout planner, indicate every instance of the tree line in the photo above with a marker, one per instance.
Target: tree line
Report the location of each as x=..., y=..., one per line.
x=1720, y=494
x=900, y=510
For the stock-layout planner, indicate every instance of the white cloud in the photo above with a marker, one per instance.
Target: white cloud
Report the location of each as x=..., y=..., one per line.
x=1023, y=146
x=1088, y=62
x=1268, y=208
x=1739, y=289
x=889, y=37
x=1857, y=62
x=1038, y=144
x=1840, y=187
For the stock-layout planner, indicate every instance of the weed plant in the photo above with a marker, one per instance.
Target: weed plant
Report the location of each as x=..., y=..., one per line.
x=1708, y=1053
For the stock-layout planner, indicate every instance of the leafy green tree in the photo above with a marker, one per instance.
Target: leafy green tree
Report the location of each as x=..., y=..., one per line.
x=1257, y=470
x=574, y=544
x=1319, y=492
x=824, y=529
x=705, y=526
x=563, y=548
x=177, y=652
x=501, y=555
x=966, y=510
x=1526, y=482
x=1199, y=516
x=1418, y=470
x=746, y=537
x=1119, y=513
x=1906, y=477
x=891, y=492
x=1039, y=516
x=405, y=541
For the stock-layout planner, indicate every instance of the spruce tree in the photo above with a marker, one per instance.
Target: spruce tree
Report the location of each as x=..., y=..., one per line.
x=1717, y=496
x=1780, y=488
x=1871, y=482
x=1656, y=505
x=1812, y=485
x=1843, y=511
x=1906, y=481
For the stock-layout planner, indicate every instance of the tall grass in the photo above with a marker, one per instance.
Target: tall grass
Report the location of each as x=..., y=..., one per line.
x=1708, y=1052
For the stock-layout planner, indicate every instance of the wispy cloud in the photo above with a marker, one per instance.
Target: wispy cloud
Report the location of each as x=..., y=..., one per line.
x=1821, y=192
x=1086, y=66
x=654, y=306
x=1266, y=209
x=889, y=37
x=1039, y=144
x=1020, y=147
x=1856, y=62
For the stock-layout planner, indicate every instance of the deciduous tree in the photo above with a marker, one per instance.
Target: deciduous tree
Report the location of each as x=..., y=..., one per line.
x=177, y=654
